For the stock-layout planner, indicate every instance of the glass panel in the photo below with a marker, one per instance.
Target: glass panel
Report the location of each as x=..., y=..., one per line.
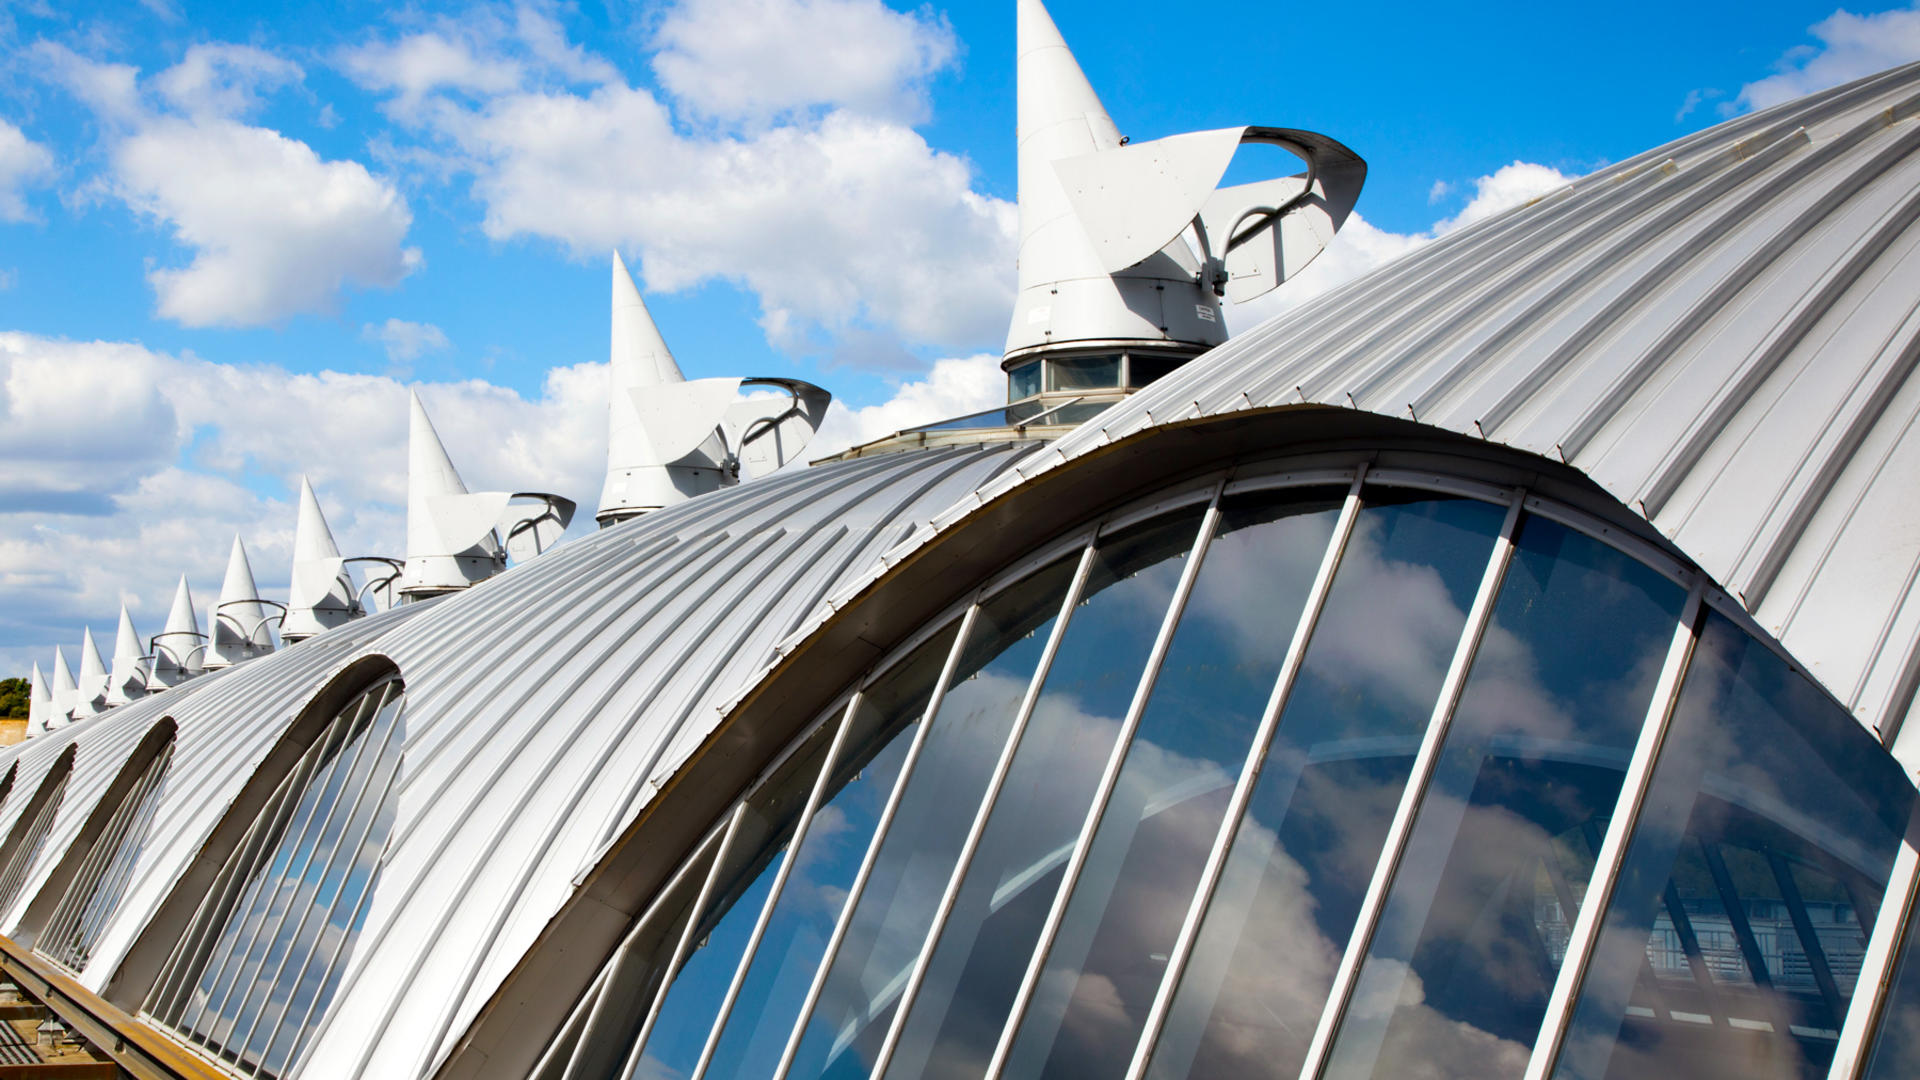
x=976, y=969
x=1735, y=934
x=1157, y=828
x=1023, y=381
x=1469, y=943
x=1264, y=960
x=923, y=842
x=783, y=966
x=29, y=834
x=105, y=871
x=249, y=979
x=1083, y=372
x=740, y=892
x=1144, y=368
x=1896, y=1038
x=634, y=972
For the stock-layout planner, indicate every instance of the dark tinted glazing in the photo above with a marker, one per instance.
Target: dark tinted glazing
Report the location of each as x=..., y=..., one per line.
x=1758, y=861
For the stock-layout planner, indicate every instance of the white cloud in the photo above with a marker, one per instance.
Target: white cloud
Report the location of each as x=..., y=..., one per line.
x=1851, y=46
x=224, y=80
x=755, y=59
x=1440, y=190
x=273, y=229
x=121, y=468
x=841, y=221
x=1505, y=188
x=954, y=387
x=1360, y=246
x=23, y=163
x=406, y=341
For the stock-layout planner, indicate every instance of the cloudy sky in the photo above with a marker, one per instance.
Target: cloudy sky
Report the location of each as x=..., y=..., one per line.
x=231, y=241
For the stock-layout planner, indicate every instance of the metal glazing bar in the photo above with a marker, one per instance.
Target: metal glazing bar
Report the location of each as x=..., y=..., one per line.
x=567, y=1035
x=872, y=855
x=23, y=855
x=1585, y=932
x=395, y=700
x=271, y=926
x=688, y=934
x=268, y=883
x=103, y=897
x=120, y=876
x=1103, y=794
x=220, y=895
x=28, y=852
x=997, y=780
x=67, y=931
x=380, y=758
x=623, y=954
x=52, y=939
x=815, y=796
x=1249, y=776
x=1424, y=762
x=339, y=951
x=1881, y=960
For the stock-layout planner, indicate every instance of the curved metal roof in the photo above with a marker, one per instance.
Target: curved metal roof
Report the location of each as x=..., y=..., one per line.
x=1720, y=332
x=542, y=712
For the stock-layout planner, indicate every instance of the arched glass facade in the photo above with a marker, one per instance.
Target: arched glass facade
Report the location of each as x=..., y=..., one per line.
x=1315, y=774
x=257, y=965
x=29, y=834
x=107, y=867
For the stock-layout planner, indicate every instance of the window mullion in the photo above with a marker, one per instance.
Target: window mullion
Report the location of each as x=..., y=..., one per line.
x=1103, y=793
x=267, y=885
x=815, y=796
x=291, y=881
x=1584, y=934
x=994, y=783
x=346, y=873
x=1424, y=763
x=1249, y=775
x=1881, y=960
x=872, y=855
x=687, y=935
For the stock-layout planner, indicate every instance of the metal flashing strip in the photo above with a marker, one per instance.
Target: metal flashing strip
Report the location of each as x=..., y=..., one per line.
x=1249, y=775
x=1585, y=932
x=1374, y=903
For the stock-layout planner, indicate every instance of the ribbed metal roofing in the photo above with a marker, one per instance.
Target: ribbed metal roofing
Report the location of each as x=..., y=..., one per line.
x=543, y=710
x=1720, y=332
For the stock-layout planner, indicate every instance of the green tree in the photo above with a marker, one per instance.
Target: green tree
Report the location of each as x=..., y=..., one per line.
x=13, y=699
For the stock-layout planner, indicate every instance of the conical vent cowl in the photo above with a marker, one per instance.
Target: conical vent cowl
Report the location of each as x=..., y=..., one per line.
x=237, y=629
x=129, y=675
x=179, y=652
x=321, y=596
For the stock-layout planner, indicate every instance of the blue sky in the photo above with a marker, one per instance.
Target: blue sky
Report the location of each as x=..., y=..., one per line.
x=233, y=235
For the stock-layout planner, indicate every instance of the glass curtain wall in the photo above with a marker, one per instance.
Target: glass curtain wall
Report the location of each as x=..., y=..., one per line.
x=1134, y=813
x=1264, y=960
x=29, y=833
x=104, y=874
x=259, y=962
x=1469, y=942
x=1758, y=861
